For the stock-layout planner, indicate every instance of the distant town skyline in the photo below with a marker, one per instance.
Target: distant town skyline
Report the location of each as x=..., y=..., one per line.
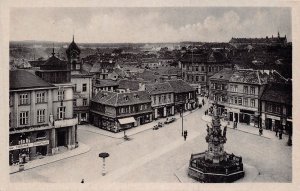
x=148, y=25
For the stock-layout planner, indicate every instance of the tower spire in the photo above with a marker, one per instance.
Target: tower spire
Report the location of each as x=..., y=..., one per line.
x=53, y=53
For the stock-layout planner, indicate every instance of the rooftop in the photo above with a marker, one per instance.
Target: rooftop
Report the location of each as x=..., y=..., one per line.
x=21, y=79
x=121, y=99
x=159, y=88
x=278, y=93
x=249, y=77
x=224, y=74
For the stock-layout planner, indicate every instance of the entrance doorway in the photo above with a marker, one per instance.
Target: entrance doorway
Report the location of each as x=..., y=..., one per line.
x=42, y=150
x=61, y=138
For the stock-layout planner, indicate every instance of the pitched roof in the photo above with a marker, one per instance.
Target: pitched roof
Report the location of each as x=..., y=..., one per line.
x=249, y=77
x=105, y=83
x=180, y=86
x=54, y=61
x=120, y=99
x=132, y=85
x=159, y=88
x=21, y=79
x=224, y=74
x=278, y=93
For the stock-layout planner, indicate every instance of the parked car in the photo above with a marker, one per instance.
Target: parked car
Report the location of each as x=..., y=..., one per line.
x=170, y=120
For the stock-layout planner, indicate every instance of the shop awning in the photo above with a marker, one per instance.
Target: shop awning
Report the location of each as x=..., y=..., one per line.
x=126, y=120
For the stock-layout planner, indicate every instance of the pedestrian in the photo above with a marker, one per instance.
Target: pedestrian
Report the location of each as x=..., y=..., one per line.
x=276, y=131
x=260, y=131
x=185, y=135
x=280, y=133
x=235, y=125
x=202, y=101
x=82, y=181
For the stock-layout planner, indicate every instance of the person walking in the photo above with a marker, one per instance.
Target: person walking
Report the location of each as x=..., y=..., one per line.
x=260, y=131
x=280, y=133
x=185, y=135
x=82, y=181
x=202, y=101
x=276, y=131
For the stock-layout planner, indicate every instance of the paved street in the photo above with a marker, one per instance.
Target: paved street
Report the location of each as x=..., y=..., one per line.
x=154, y=156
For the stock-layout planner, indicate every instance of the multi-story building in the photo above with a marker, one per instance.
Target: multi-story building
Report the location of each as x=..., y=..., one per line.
x=82, y=83
x=276, y=106
x=198, y=68
x=58, y=73
x=244, y=90
x=120, y=111
x=219, y=87
x=40, y=118
x=162, y=98
x=184, y=96
x=104, y=85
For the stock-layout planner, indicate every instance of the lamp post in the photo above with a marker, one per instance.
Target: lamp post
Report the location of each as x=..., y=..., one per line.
x=103, y=156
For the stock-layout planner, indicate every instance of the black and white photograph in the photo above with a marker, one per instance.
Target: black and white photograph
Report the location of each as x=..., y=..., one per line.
x=172, y=94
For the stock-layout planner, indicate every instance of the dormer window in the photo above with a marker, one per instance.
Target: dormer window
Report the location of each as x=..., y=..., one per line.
x=126, y=98
x=135, y=96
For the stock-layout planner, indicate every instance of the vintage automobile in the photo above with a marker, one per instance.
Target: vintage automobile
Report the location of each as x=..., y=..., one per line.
x=170, y=120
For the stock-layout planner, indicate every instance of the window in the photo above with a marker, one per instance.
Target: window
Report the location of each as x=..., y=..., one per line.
x=202, y=78
x=61, y=112
x=233, y=88
x=240, y=101
x=202, y=68
x=245, y=101
x=77, y=66
x=252, y=90
x=197, y=69
x=24, y=99
x=252, y=103
x=40, y=115
x=84, y=87
x=235, y=100
x=215, y=97
x=40, y=97
x=61, y=95
x=154, y=100
x=159, y=99
x=213, y=86
x=24, y=118
x=10, y=100
x=246, y=89
x=197, y=78
x=209, y=69
x=84, y=102
x=74, y=102
x=169, y=97
x=75, y=88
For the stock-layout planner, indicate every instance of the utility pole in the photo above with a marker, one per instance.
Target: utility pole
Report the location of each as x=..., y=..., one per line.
x=182, y=121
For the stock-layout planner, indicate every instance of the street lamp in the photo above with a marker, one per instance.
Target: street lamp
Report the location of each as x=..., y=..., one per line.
x=103, y=156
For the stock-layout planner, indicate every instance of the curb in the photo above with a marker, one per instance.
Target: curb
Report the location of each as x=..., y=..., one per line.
x=89, y=148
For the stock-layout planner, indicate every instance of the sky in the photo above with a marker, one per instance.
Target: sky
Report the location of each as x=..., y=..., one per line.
x=146, y=25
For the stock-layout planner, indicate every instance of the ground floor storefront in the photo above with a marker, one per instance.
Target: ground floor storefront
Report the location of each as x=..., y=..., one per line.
x=163, y=111
x=118, y=124
x=179, y=107
x=82, y=115
x=248, y=117
x=275, y=122
x=31, y=145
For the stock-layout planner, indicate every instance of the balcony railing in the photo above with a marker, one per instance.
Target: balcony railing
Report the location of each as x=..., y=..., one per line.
x=65, y=122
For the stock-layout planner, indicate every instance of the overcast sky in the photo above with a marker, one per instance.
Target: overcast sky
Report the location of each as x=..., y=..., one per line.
x=117, y=25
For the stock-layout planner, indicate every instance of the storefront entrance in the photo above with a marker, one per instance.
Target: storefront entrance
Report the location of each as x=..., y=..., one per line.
x=41, y=150
x=61, y=137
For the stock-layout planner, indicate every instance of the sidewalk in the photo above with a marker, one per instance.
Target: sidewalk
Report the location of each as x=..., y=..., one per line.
x=53, y=158
x=244, y=128
x=132, y=131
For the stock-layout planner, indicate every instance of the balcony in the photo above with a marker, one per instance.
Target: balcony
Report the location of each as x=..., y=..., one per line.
x=65, y=122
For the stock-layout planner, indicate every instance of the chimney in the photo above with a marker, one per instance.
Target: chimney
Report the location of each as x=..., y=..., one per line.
x=141, y=86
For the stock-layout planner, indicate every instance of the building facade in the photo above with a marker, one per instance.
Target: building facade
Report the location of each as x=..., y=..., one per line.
x=162, y=99
x=82, y=83
x=39, y=122
x=245, y=88
x=276, y=107
x=218, y=91
x=116, y=112
x=198, y=68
